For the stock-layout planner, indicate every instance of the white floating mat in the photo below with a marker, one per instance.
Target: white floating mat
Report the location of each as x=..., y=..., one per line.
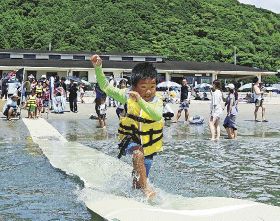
x=108, y=189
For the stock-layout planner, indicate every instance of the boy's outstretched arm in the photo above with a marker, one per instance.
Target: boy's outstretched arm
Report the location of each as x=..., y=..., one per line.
x=104, y=85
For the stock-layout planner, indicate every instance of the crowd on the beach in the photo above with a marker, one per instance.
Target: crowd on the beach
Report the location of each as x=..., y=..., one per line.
x=220, y=104
x=39, y=96
x=50, y=94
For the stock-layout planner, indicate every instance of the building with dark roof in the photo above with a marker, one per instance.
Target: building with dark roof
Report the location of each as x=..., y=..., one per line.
x=77, y=64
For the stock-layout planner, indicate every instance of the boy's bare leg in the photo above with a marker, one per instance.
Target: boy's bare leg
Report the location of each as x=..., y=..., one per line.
x=140, y=174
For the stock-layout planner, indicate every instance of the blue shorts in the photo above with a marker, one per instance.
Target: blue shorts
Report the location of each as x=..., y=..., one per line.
x=45, y=103
x=229, y=122
x=184, y=105
x=148, y=160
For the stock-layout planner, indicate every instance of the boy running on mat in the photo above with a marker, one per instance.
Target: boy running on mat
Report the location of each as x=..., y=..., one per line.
x=140, y=130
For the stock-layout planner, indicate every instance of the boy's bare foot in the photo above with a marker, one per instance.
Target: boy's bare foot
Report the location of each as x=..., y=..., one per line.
x=149, y=192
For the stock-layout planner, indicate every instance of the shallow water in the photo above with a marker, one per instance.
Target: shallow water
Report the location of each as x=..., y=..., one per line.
x=193, y=166
x=30, y=188
x=190, y=165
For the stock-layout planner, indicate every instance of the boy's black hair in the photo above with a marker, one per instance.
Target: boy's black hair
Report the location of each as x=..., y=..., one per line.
x=143, y=71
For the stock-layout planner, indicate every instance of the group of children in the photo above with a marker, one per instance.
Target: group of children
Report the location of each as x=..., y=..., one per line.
x=37, y=101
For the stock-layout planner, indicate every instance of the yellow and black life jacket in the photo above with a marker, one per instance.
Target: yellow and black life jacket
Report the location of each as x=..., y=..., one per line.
x=148, y=131
x=31, y=101
x=39, y=89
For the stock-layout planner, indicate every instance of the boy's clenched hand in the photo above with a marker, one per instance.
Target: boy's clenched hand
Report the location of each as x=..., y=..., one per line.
x=96, y=60
x=134, y=95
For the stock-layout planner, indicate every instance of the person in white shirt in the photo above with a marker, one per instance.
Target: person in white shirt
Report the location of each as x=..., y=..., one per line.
x=258, y=99
x=232, y=110
x=13, y=85
x=216, y=110
x=51, y=85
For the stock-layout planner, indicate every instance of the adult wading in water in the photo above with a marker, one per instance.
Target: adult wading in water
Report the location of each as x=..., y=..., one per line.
x=141, y=128
x=258, y=99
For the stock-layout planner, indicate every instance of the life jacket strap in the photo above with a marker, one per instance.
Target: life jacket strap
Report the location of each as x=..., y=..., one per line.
x=140, y=119
x=152, y=141
x=149, y=132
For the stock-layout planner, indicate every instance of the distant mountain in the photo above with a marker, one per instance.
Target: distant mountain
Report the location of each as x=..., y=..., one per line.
x=194, y=30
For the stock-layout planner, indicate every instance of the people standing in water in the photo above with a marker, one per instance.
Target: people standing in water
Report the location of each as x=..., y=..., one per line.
x=216, y=110
x=231, y=106
x=184, y=100
x=140, y=130
x=258, y=99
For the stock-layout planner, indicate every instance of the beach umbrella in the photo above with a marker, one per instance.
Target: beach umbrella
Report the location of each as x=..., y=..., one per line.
x=245, y=86
x=168, y=84
x=271, y=89
x=73, y=78
x=85, y=82
x=121, y=79
x=203, y=85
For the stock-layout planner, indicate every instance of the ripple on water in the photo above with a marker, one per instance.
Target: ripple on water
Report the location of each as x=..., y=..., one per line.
x=30, y=188
x=192, y=166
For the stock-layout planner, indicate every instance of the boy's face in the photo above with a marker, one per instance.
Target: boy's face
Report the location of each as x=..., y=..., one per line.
x=146, y=88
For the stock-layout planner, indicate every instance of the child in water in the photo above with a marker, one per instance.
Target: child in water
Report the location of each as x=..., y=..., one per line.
x=141, y=128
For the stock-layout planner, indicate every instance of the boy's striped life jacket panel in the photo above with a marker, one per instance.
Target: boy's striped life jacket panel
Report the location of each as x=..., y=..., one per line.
x=39, y=89
x=31, y=102
x=138, y=122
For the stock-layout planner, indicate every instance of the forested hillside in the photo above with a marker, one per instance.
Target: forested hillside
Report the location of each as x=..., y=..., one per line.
x=197, y=30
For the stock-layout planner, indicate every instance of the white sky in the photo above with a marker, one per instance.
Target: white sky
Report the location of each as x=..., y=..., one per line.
x=272, y=5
